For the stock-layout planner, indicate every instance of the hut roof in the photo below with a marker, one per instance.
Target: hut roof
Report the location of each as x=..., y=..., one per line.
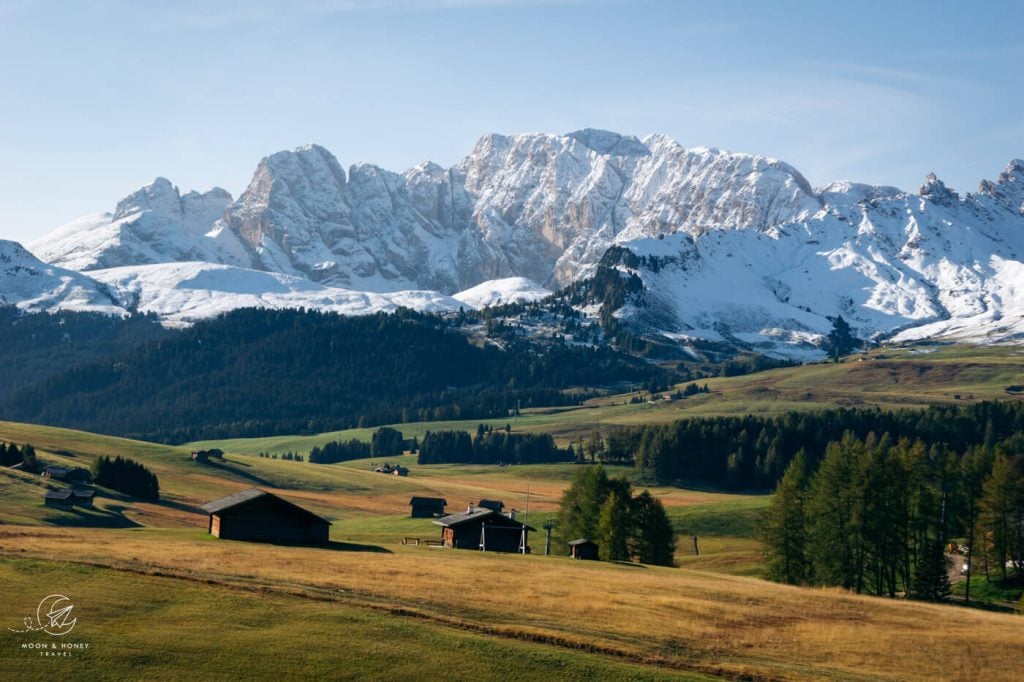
x=581, y=541
x=246, y=496
x=57, y=494
x=84, y=493
x=428, y=500
x=496, y=505
x=478, y=514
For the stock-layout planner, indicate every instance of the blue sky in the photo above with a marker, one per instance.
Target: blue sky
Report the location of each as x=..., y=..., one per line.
x=98, y=98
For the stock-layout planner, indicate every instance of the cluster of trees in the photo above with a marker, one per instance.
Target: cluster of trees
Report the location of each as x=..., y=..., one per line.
x=385, y=442
x=127, y=476
x=624, y=526
x=490, y=447
x=288, y=456
x=339, y=451
x=751, y=452
x=11, y=454
x=291, y=371
x=876, y=515
x=749, y=364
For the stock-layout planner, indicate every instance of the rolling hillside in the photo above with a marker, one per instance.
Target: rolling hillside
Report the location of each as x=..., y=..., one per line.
x=694, y=622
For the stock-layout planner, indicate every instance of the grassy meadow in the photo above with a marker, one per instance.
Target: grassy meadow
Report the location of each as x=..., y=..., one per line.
x=155, y=593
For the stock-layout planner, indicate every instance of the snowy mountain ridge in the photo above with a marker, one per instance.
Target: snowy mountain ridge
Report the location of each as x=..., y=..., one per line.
x=745, y=250
x=540, y=206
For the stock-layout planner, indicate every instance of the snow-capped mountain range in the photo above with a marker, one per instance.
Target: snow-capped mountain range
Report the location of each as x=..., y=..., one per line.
x=743, y=248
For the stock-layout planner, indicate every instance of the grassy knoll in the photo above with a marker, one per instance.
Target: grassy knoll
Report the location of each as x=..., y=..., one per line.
x=154, y=627
x=239, y=598
x=888, y=378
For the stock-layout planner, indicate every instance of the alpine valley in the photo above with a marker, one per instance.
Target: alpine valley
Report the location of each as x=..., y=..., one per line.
x=694, y=249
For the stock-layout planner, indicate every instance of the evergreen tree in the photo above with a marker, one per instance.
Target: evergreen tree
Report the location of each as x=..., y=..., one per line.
x=840, y=340
x=28, y=456
x=931, y=577
x=655, y=539
x=785, y=526
x=973, y=469
x=581, y=504
x=832, y=509
x=614, y=528
x=1002, y=507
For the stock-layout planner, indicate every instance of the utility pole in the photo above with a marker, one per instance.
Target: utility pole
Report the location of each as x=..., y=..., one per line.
x=527, y=519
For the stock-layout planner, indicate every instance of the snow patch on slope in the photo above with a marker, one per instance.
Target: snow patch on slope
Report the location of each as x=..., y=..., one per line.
x=182, y=293
x=34, y=286
x=500, y=291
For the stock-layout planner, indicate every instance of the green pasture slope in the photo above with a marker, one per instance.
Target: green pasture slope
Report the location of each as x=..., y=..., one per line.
x=902, y=378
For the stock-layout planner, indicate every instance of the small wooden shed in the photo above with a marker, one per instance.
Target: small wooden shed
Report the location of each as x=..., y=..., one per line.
x=259, y=516
x=427, y=507
x=583, y=549
x=54, y=472
x=485, y=530
x=493, y=505
x=83, y=497
x=58, y=498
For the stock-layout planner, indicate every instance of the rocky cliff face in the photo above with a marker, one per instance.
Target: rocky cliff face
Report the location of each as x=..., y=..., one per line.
x=545, y=207
x=744, y=250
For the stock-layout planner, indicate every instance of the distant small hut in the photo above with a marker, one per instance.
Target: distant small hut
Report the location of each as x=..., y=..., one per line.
x=83, y=497
x=400, y=471
x=259, y=516
x=485, y=530
x=56, y=473
x=200, y=456
x=427, y=507
x=583, y=549
x=58, y=498
x=493, y=505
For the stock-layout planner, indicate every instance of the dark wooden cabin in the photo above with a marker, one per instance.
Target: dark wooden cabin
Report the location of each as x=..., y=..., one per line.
x=493, y=505
x=57, y=473
x=485, y=530
x=83, y=497
x=427, y=507
x=58, y=498
x=583, y=549
x=259, y=516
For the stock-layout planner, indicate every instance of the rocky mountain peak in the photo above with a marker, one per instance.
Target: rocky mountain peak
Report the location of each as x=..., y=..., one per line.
x=935, y=190
x=607, y=142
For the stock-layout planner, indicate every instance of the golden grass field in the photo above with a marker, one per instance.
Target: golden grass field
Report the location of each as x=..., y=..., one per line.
x=658, y=618
x=369, y=607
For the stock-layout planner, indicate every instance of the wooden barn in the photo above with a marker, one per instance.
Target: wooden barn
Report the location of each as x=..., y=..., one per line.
x=259, y=516
x=493, y=505
x=427, y=507
x=57, y=473
x=83, y=497
x=485, y=530
x=583, y=549
x=58, y=498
